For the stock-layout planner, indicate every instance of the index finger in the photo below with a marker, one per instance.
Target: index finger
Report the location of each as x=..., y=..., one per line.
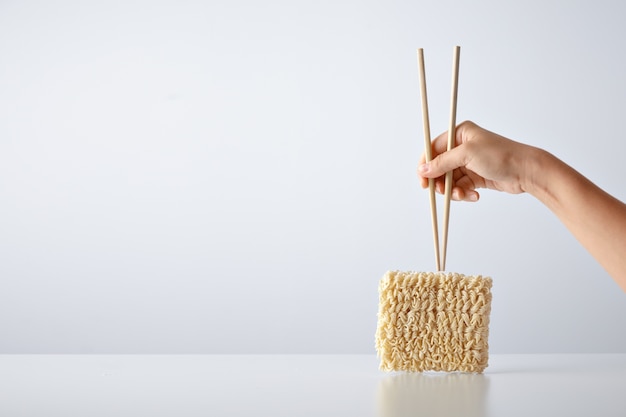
x=440, y=143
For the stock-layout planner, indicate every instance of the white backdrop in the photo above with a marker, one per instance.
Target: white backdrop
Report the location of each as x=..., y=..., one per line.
x=236, y=176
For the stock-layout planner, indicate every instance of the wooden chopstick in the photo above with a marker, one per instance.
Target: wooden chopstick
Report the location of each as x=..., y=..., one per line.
x=451, y=139
x=428, y=153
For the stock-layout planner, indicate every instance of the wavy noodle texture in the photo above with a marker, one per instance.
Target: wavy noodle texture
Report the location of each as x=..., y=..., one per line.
x=433, y=322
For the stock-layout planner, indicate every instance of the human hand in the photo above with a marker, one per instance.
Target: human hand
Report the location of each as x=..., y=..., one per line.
x=480, y=159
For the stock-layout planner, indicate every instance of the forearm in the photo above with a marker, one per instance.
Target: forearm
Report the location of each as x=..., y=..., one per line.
x=594, y=217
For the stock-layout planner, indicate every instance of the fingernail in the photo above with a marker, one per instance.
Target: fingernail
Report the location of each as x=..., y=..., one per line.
x=473, y=197
x=424, y=168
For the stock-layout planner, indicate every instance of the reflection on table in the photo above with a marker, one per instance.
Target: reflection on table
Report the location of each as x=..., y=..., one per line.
x=433, y=394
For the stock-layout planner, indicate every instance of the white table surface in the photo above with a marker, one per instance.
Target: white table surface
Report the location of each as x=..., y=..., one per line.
x=305, y=385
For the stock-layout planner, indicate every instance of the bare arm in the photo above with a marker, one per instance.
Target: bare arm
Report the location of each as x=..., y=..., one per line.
x=483, y=159
x=595, y=218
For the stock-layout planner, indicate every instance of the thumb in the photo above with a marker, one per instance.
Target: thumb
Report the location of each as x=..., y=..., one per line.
x=445, y=162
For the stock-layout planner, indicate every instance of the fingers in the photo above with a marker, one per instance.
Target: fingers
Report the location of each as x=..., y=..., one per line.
x=465, y=183
x=440, y=144
x=443, y=163
x=462, y=132
x=459, y=194
x=463, y=190
x=462, y=194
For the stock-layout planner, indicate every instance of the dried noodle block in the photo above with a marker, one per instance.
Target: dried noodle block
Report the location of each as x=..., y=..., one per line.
x=433, y=322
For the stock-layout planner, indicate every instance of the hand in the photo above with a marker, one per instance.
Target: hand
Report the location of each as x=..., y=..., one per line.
x=480, y=159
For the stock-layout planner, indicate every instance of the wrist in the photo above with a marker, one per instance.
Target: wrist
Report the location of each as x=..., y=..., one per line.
x=537, y=172
x=542, y=171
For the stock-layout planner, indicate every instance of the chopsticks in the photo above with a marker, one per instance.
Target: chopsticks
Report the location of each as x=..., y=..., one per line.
x=428, y=153
x=439, y=261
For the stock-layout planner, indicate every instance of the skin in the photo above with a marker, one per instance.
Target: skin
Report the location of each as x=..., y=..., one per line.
x=483, y=159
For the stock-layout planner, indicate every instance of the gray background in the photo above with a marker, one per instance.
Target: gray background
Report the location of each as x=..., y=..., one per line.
x=236, y=176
